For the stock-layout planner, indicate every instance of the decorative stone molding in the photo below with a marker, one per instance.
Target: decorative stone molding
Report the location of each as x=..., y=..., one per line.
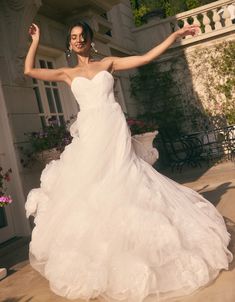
x=15, y=4
x=18, y=15
x=106, y=5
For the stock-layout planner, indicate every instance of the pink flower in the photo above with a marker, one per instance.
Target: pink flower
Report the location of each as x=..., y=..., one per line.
x=131, y=122
x=140, y=126
x=4, y=200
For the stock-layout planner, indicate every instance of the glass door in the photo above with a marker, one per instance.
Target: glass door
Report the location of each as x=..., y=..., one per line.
x=48, y=95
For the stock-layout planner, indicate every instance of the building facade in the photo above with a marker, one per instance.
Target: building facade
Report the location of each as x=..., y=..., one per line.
x=26, y=103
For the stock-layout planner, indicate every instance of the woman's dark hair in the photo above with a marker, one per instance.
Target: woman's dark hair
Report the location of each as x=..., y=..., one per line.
x=87, y=32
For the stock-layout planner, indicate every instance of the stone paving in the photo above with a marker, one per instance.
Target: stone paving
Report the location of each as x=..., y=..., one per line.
x=217, y=184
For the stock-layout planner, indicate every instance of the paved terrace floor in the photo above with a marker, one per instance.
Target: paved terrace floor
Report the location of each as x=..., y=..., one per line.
x=217, y=184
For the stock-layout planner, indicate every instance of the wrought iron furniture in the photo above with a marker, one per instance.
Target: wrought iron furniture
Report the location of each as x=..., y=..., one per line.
x=191, y=149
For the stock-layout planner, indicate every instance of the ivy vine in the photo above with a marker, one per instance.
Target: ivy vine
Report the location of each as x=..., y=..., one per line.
x=158, y=99
x=224, y=66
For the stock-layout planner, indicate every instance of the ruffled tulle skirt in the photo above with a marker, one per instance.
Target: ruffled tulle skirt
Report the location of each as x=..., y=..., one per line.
x=109, y=224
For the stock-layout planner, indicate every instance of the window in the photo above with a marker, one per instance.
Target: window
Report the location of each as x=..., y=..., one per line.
x=48, y=96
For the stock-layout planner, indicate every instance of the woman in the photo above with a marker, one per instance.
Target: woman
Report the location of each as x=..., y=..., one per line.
x=107, y=223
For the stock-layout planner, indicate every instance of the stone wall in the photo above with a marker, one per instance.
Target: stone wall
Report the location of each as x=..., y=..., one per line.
x=210, y=71
x=22, y=112
x=190, y=63
x=197, y=78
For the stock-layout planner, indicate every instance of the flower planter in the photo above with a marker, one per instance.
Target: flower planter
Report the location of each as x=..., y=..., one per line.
x=143, y=146
x=46, y=156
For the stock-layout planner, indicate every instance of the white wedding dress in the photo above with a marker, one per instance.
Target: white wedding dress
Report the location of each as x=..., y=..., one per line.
x=108, y=224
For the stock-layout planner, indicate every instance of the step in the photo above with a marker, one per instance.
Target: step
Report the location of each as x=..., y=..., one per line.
x=12, y=244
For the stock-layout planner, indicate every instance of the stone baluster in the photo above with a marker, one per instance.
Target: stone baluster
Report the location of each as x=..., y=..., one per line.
x=197, y=22
x=216, y=19
x=207, y=23
x=226, y=17
x=176, y=26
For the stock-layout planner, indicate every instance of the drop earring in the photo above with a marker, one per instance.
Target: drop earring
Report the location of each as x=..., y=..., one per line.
x=93, y=47
x=68, y=52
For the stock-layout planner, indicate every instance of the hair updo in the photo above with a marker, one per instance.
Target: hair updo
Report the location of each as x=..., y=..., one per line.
x=87, y=32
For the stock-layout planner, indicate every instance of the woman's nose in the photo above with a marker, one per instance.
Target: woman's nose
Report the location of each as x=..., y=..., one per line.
x=81, y=39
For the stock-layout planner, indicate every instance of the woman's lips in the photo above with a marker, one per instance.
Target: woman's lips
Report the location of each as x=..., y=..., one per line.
x=79, y=45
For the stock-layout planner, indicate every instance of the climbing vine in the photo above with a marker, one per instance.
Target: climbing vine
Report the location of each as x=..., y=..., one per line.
x=158, y=99
x=195, y=92
x=217, y=81
x=224, y=65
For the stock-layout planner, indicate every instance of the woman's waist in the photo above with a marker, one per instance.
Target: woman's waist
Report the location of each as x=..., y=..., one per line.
x=97, y=106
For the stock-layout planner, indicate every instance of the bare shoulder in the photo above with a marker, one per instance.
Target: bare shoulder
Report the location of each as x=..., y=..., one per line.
x=108, y=59
x=68, y=73
x=63, y=71
x=108, y=63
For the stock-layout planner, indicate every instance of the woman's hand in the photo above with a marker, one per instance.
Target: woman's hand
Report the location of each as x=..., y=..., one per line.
x=34, y=32
x=187, y=30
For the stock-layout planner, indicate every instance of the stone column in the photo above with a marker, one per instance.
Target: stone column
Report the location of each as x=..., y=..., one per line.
x=17, y=15
x=15, y=19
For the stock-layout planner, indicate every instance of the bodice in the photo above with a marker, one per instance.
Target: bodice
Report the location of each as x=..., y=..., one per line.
x=95, y=92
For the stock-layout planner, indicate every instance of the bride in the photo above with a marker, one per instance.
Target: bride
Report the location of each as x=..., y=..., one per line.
x=106, y=223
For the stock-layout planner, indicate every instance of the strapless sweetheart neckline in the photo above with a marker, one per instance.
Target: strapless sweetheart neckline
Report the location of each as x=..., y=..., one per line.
x=93, y=78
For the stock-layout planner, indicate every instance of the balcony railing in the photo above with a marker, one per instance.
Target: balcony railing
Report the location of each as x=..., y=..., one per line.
x=213, y=19
x=209, y=18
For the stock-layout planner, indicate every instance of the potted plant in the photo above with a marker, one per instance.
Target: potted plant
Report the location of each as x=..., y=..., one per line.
x=48, y=143
x=143, y=133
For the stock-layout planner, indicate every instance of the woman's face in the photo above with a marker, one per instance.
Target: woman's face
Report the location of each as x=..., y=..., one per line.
x=77, y=42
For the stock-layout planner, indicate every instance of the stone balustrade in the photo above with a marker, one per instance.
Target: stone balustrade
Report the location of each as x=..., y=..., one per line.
x=214, y=19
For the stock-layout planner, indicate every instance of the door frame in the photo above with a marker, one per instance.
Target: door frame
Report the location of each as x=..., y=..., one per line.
x=18, y=223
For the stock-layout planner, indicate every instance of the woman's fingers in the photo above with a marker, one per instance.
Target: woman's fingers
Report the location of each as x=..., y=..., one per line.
x=35, y=26
x=33, y=30
x=190, y=30
x=194, y=30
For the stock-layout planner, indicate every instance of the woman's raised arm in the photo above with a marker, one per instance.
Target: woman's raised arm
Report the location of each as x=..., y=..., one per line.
x=57, y=75
x=136, y=61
